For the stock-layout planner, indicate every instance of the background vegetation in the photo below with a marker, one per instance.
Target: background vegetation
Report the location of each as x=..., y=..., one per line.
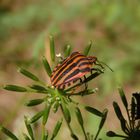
x=114, y=28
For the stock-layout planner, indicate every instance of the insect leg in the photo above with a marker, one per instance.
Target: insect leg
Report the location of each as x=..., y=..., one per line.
x=86, y=85
x=99, y=65
x=80, y=80
x=96, y=69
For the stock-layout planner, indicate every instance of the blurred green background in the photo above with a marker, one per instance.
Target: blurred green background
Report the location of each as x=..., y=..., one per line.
x=114, y=28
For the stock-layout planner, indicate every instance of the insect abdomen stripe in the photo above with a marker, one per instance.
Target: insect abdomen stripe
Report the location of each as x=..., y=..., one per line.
x=74, y=73
x=69, y=68
x=85, y=63
x=63, y=65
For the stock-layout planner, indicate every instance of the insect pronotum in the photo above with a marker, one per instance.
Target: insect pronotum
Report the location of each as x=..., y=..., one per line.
x=71, y=69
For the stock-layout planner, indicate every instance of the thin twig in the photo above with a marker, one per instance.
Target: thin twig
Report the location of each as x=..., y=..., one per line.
x=71, y=131
x=86, y=138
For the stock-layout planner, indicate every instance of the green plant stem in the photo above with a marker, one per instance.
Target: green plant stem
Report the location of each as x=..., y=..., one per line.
x=121, y=136
x=71, y=131
x=86, y=138
x=43, y=131
x=66, y=120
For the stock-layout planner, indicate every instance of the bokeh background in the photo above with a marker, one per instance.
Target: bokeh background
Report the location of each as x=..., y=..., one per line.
x=114, y=28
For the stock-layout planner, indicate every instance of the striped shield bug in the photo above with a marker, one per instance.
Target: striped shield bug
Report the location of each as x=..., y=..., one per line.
x=72, y=68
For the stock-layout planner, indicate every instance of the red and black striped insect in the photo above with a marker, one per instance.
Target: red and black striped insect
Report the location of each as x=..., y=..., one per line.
x=71, y=69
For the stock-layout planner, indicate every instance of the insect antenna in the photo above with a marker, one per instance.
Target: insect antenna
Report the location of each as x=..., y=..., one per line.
x=100, y=63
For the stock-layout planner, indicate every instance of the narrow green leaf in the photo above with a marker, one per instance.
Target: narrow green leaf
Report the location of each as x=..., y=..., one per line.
x=118, y=111
x=29, y=128
x=55, y=107
x=56, y=129
x=26, y=137
x=45, y=137
x=93, y=111
x=124, y=126
x=36, y=117
x=52, y=48
x=34, y=102
x=120, y=117
x=15, y=88
x=123, y=97
x=8, y=133
x=111, y=134
x=47, y=66
x=133, y=108
x=136, y=97
x=74, y=136
x=67, y=50
x=104, y=116
x=66, y=112
x=79, y=116
x=46, y=113
x=81, y=122
x=28, y=74
x=39, y=88
x=87, y=49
